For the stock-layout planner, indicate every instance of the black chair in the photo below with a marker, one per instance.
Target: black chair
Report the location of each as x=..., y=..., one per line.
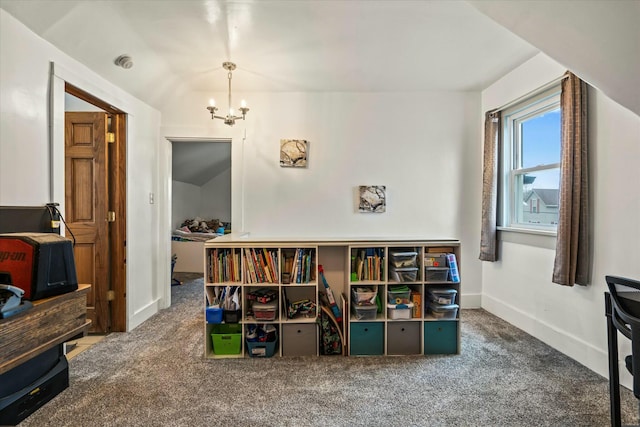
x=622, y=308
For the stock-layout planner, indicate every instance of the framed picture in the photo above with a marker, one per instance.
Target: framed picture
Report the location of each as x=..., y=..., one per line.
x=293, y=153
x=373, y=198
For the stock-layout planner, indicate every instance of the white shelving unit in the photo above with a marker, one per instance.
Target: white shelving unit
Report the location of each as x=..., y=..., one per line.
x=350, y=267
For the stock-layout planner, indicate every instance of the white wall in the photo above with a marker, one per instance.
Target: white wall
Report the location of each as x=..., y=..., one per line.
x=423, y=146
x=185, y=203
x=30, y=151
x=209, y=201
x=518, y=288
x=216, y=197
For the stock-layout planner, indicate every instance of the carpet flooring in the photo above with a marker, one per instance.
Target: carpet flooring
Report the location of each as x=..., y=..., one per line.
x=156, y=375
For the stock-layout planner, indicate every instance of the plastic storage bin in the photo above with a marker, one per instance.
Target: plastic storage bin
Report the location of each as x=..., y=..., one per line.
x=261, y=349
x=364, y=312
x=231, y=316
x=399, y=311
x=213, y=314
x=227, y=338
x=266, y=311
x=403, y=259
x=443, y=311
x=404, y=274
x=267, y=348
x=436, y=274
x=435, y=260
x=398, y=295
x=442, y=296
x=363, y=295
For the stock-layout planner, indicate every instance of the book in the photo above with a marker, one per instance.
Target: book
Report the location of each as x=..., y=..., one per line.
x=299, y=266
x=307, y=272
x=264, y=261
x=294, y=266
x=256, y=265
x=251, y=273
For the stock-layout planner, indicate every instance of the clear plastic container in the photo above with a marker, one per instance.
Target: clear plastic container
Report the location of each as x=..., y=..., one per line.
x=403, y=259
x=443, y=311
x=398, y=296
x=404, y=274
x=399, y=311
x=363, y=295
x=435, y=260
x=442, y=296
x=266, y=311
x=364, y=312
x=436, y=274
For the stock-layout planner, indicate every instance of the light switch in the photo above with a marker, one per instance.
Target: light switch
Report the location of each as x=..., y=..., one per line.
x=151, y=198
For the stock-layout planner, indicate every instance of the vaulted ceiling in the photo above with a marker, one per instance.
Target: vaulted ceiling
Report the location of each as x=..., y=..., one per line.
x=279, y=45
x=178, y=46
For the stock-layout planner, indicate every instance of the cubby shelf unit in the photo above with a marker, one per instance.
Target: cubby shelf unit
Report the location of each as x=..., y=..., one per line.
x=387, y=271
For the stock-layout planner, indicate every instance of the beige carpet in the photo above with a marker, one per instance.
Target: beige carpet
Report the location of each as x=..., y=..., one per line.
x=157, y=376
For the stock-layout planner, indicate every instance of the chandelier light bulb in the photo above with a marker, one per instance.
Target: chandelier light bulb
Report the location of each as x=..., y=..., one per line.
x=231, y=111
x=212, y=102
x=243, y=104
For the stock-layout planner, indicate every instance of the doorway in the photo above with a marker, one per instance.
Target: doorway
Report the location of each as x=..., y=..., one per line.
x=200, y=188
x=95, y=204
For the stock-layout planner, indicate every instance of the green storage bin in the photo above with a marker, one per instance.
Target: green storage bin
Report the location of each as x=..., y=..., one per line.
x=441, y=337
x=366, y=339
x=227, y=338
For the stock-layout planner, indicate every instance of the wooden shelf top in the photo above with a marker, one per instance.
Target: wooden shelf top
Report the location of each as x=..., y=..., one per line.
x=50, y=322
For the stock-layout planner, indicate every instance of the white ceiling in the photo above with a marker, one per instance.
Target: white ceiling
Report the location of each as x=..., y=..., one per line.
x=598, y=40
x=305, y=45
x=197, y=162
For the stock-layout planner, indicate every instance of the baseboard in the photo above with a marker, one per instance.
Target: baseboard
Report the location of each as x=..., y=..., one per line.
x=143, y=314
x=582, y=352
x=471, y=300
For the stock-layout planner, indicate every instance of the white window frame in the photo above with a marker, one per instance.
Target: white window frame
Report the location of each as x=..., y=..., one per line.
x=510, y=192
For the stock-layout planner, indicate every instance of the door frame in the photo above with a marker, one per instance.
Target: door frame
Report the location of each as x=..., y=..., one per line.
x=117, y=202
x=117, y=237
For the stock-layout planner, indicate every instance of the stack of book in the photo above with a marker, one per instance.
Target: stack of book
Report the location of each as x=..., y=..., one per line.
x=261, y=265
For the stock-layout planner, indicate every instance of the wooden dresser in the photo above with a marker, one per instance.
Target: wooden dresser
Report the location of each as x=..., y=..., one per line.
x=50, y=322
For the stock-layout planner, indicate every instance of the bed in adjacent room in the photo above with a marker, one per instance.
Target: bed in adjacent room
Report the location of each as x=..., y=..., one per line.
x=187, y=243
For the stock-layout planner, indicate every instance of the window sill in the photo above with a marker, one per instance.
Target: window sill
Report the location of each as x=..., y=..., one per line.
x=525, y=236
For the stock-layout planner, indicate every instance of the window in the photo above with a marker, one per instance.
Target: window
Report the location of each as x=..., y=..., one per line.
x=530, y=175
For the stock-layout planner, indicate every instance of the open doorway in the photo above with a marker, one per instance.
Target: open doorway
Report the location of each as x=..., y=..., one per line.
x=200, y=198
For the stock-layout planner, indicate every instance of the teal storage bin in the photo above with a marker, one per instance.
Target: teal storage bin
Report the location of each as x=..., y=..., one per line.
x=441, y=337
x=366, y=339
x=261, y=348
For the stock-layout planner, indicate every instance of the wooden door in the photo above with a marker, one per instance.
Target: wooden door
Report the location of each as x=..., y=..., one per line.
x=86, y=202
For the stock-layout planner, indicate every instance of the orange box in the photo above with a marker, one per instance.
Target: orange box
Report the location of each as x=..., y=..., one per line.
x=416, y=299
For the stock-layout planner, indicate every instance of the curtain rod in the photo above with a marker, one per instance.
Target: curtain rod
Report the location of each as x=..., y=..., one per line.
x=531, y=93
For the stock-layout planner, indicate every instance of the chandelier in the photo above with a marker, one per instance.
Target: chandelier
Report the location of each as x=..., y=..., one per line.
x=230, y=118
